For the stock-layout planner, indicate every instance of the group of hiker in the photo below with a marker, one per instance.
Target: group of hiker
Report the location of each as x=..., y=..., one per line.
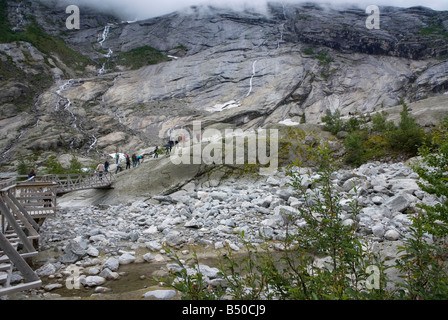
x=135, y=160
x=168, y=147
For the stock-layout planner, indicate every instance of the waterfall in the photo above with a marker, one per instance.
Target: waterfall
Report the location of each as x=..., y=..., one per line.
x=95, y=140
x=13, y=143
x=282, y=26
x=284, y=11
x=65, y=86
x=103, y=68
x=251, y=78
x=105, y=34
x=109, y=53
x=67, y=102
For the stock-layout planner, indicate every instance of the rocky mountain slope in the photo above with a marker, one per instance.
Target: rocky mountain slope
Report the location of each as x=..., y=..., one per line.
x=115, y=85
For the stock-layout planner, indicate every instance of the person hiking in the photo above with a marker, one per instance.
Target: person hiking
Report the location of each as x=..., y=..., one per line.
x=128, y=162
x=117, y=157
x=167, y=148
x=156, y=154
x=32, y=175
x=106, y=166
x=100, y=168
x=119, y=167
x=134, y=160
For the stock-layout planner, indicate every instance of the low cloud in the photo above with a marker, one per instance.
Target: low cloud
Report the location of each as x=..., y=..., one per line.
x=144, y=9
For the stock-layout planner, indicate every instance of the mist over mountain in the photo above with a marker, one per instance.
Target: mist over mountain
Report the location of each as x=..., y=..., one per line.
x=141, y=9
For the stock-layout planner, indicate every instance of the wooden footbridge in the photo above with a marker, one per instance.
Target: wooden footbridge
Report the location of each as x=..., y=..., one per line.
x=24, y=206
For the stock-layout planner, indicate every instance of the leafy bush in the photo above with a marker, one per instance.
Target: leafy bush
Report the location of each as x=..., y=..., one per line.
x=376, y=147
x=383, y=138
x=140, y=57
x=433, y=170
x=54, y=166
x=333, y=121
x=75, y=165
x=380, y=123
x=354, y=145
x=408, y=136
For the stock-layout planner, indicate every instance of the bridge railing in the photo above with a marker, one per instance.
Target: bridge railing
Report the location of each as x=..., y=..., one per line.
x=37, y=198
x=72, y=182
x=18, y=226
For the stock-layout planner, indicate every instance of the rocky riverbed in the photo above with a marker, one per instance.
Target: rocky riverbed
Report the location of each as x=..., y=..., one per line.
x=114, y=251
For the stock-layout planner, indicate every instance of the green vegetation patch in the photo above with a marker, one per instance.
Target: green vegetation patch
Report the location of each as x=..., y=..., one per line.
x=434, y=30
x=140, y=57
x=378, y=140
x=44, y=42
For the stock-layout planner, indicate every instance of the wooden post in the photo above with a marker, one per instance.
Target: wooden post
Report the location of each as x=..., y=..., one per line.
x=18, y=230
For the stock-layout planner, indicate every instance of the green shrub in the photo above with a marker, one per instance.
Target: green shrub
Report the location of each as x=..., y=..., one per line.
x=354, y=145
x=424, y=262
x=376, y=147
x=433, y=170
x=140, y=57
x=380, y=123
x=333, y=121
x=407, y=137
x=75, y=165
x=308, y=51
x=54, y=166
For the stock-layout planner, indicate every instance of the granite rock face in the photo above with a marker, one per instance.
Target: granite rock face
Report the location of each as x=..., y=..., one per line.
x=228, y=68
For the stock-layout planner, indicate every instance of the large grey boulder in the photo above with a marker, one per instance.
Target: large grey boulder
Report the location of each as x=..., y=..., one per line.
x=400, y=202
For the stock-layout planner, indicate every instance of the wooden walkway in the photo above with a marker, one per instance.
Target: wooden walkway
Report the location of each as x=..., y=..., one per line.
x=24, y=206
x=75, y=182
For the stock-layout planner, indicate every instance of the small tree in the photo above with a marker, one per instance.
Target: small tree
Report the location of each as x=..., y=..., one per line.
x=75, y=165
x=54, y=166
x=423, y=263
x=355, y=148
x=22, y=168
x=408, y=136
x=433, y=170
x=380, y=123
x=333, y=122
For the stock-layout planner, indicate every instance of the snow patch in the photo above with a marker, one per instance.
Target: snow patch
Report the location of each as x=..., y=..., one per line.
x=225, y=106
x=289, y=122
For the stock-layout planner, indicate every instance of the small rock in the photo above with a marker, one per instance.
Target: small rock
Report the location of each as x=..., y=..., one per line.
x=109, y=274
x=112, y=264
x=50, y=287
x=93, y=281
x=148, y=257
x=92, y=251
x=160, y=294
x=102, y=289
x=126, y=258
x=392, y=235
x=153, y=245
x=378, y=230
